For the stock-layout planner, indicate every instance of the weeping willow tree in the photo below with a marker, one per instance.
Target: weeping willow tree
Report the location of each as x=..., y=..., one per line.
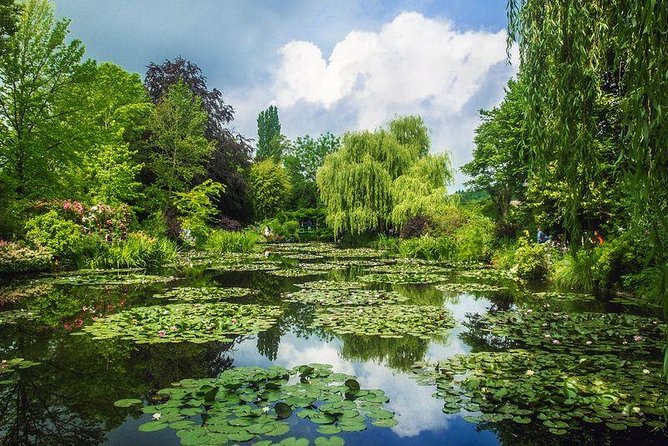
x=421, y=190
x=573, y=53
x=374, y=173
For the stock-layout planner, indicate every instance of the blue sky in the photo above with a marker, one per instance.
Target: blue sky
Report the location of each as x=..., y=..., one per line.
x=328, y=65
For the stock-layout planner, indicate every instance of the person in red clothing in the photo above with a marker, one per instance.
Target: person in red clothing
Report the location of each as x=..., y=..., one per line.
x=598, y=239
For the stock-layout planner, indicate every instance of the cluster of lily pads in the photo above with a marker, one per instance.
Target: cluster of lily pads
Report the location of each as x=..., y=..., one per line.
x=109, y=279
x=14, y=316
x=327, y=285
x=252, y=403
x=195, y=294
x=561, y=391
x=345, y=297
x=402, y=278
x=196, y=323
x=470, y=287
x=576, y=333
x=386, y=321
x=414, y=268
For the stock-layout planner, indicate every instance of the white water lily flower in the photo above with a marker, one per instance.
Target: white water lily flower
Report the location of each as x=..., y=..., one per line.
x=530, y=373
x=156, y=416
x=645, y=371
x=265, y=409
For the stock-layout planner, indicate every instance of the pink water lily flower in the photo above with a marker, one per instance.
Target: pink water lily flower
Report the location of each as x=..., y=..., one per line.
x=556, y=341
x=637, y=338
x=162, y=333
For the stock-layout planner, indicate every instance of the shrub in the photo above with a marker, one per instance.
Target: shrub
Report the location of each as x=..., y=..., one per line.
x=228, y=241
x=229, y=224
x=474, y=239
x=15, y=258
x=197, y=210
x=414, y=227
x=430, y=248
x=532, y=260
x=137, y=251
x=63, y=238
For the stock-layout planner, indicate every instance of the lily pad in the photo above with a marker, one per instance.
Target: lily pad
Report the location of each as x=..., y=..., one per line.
x=185, y=322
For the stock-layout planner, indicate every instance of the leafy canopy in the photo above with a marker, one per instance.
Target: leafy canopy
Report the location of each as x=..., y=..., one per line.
x=371, y=180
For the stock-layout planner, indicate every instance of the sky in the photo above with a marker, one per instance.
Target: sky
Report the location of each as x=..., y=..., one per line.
x=327, y=65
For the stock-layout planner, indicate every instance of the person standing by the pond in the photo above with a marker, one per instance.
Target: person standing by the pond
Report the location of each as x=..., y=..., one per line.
x=542, y=237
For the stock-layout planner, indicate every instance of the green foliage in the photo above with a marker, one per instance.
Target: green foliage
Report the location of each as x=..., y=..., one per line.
x=179, y=149
x=429, y=248
x=38, y=68
x=474, y=240
x=196, y=208
x=421, y=190
x=269, y=142
x=499, y=165
x=411, y=130
x=138, y=250
x=270, y=187
x=532, y=260
x=596, y=79
x=357, y=181
x=302, y=160
x=111, y=176
x=232, y=241
x=63, y=237
x=15, y=258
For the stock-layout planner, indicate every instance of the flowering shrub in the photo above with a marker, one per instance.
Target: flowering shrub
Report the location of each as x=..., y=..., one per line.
x=15, y=258
x=106, y=221
x=64, y=238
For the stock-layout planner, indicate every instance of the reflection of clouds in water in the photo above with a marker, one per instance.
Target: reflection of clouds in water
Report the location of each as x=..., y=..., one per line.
x=416, y=409
x=464, y=303
x=293, y=351
x=467, y=303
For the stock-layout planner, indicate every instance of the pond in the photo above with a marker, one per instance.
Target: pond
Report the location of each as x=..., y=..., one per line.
x=323, y=345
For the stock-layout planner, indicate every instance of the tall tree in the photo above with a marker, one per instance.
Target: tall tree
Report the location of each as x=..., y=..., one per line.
x=499, y=165
x=106, y=133
x=231, y=157
x=570, y=51
x=270, y=187
x=269, y=141
x=180, y=150
x=302, y=160
x=37, y=68
x=362, y=182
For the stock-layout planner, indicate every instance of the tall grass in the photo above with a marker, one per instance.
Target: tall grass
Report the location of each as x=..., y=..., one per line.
x=429, y=248
x=576, y=271
x=227, y=241
x=137, y=251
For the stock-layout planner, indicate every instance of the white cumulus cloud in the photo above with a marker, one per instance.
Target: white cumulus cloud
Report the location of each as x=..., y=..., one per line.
x=412, y=63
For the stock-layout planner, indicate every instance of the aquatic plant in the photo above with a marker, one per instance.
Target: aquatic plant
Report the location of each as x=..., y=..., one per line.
x=387, y=321
x=198, y=294
x=252, y=403
x=345, y=297
x=184, y=323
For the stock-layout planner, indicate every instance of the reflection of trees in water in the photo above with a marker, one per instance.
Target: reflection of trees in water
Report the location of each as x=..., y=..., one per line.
x=399, y=354
x=298, y=319
x=421, y=294
x=68, y=398
x=510, y=433
x=478, y=337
